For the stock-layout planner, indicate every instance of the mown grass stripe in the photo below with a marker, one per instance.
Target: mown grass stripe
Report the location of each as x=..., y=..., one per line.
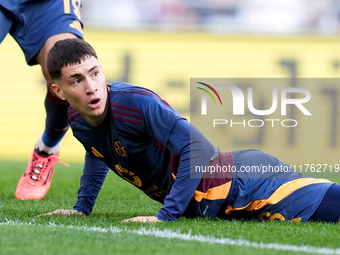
x=169, y=234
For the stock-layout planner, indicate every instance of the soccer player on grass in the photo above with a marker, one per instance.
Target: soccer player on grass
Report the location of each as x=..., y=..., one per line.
x=143, y=140
x=36, y=26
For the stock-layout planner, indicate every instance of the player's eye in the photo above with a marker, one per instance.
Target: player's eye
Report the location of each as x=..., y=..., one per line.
x=76, y=81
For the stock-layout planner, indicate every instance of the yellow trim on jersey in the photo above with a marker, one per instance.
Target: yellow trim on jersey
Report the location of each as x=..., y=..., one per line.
x=67, y=7
x=76, y=24
x=271, y=217
x=174, y=176
x=219, y=192
x=282, y=192
x=96, y=153
x=296, y=220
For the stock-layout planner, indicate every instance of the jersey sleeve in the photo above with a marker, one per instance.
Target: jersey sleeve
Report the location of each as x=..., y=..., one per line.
x=159, y=119
x=194, y=150
x=94, y=174
x=184, y=140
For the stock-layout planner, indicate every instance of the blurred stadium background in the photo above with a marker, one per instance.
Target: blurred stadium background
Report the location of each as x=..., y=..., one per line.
x=161, y=44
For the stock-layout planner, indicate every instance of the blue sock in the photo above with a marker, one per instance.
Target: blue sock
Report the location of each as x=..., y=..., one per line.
x=56, y=123
x=50, y=142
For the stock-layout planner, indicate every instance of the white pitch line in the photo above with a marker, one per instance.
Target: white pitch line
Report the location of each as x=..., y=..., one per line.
x=169, y=234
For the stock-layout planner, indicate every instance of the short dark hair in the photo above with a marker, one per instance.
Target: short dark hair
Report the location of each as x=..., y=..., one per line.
x=67, y=52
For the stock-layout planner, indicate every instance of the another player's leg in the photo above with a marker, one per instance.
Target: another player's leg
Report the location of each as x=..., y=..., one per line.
x=36, y=180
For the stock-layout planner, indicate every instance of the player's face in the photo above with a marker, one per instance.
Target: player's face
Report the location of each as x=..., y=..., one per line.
x=83, y=86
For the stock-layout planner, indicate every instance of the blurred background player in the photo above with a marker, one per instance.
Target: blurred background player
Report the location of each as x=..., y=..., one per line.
x=36, y=26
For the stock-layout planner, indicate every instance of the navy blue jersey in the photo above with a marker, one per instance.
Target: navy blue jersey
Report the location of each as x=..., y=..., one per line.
x=147, y=143
x=272, y=194
x=240, y=191
x=32, y=22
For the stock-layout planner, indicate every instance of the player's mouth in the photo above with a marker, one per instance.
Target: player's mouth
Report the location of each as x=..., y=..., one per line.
x=94, y=103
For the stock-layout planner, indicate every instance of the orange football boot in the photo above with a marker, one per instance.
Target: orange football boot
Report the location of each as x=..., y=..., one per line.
x=36, y=181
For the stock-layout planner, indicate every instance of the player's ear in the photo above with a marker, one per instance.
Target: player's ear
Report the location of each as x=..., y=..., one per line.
x=56, y=89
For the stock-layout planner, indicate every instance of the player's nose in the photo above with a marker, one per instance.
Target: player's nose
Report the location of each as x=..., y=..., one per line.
x=91, y=86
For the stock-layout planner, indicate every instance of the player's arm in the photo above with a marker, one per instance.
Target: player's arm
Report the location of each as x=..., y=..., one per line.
x=91, y=182
x=191, y=146
x=194, y=150
x=164, y=124
x=94, y=174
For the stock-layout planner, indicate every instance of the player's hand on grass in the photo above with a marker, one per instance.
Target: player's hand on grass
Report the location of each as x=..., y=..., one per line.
x=62, y=212
x=150, y=219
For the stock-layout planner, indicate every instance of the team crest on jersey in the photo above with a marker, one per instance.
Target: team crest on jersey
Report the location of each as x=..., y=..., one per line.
x=129, y=176
x=120, y=149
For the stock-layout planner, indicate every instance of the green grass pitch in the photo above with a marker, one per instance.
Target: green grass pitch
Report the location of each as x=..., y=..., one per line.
x=21, y=232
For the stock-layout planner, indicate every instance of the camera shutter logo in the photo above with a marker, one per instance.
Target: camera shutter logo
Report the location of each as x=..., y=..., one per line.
x=204, y=97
